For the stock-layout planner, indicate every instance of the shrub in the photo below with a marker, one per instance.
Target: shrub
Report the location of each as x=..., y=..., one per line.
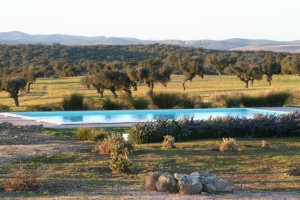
x=191, y=102
x=4, y=108
x=140, y=103
x=89, y=134
x=108, y=104
x=47, y=107
x=169, y=142
x=128, y=102
x=229, y=144
x=226, y=101
x=74, y=102
x=113, y=142
x=286, y=125
x=165, y=100
x=220, y=100
x=119, y=161
x=295, y=171
x=22, y=181
x=271, y=99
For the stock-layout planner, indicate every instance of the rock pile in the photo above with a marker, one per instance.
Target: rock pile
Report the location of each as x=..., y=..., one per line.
x=195, y=183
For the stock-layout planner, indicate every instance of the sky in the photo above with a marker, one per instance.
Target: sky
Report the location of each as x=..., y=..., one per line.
x=155, y=19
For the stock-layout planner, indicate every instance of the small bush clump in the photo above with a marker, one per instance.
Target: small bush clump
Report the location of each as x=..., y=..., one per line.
x=4, y=108
x=264, y=144
x=229, y=144
x=119, y=160
x=295, y=171
x=74, y=102
x=47, y=107
x=140, y=103
x=271, y=99
x=165, y=100
x=224, y=100
x=109, y=144
x=169, y=142
x=22, y=181
x=108, y=104
x=89, y=134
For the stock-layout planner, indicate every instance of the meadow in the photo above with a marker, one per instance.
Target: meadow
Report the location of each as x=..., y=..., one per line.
x=53, y=90
x=80, y=173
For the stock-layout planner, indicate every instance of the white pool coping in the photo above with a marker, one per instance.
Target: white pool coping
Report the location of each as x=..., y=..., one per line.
x=23, y=120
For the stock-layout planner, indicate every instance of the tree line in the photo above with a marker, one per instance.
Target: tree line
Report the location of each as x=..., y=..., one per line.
x=120, y=68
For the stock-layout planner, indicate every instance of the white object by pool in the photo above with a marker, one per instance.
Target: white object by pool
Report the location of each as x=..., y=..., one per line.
x=133, y=116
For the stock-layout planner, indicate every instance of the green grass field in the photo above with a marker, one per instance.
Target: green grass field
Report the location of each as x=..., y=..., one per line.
x=47, y=91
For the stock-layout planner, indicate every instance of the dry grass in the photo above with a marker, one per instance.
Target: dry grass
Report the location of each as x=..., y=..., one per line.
x=54, y=90
x=83, y=172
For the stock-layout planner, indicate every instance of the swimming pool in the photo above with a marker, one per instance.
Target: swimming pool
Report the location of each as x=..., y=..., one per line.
x=132, y=116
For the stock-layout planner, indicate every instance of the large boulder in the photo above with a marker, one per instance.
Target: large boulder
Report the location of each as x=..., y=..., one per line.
x=211, y=183
x=220, y=184
x=167, y=183
x=151, y=181
x=188, y=184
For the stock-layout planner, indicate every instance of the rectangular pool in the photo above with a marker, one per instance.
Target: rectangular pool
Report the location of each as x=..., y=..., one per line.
x=132, y=116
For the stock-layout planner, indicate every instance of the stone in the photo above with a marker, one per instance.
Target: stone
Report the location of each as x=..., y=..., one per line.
x=151, y=181
x=210, y=189
x=167, y=183
x=189, y=184
x=220, y=184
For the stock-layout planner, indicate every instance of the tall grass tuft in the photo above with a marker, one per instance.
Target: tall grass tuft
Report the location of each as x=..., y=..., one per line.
x=74, y=102
x=165, y=100
x=4, y=108
x=89, y=134
x=140, y=103
x=271, y=99
x=109, y=104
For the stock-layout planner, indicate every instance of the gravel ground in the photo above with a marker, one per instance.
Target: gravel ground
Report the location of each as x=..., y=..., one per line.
x=136, y=194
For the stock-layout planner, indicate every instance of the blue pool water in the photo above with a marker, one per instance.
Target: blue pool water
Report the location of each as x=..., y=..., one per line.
x=130, y=116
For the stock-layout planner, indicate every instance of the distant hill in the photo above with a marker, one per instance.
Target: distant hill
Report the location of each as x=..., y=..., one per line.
x=239, y=44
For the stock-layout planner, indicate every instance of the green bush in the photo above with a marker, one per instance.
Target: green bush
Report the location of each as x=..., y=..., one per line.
x=226, y=101
x=140, y=103
x=187, y=102
x=165, y=100
x=271, y=99
x=285, y=125
x=47, y=107
x=295, y=171
x=119, y=161
x=74, y=102
x=4, y=108
x=108, y=104
x=89, y=134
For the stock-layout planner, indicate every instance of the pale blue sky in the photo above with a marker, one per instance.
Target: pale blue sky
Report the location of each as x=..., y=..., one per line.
x=155, y=19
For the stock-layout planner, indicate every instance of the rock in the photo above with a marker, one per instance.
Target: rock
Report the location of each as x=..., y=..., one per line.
x=201, y=174
x=151, y=181
x=210, y=189
x=167, y=183
x=189, y=184
x=220, y=184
